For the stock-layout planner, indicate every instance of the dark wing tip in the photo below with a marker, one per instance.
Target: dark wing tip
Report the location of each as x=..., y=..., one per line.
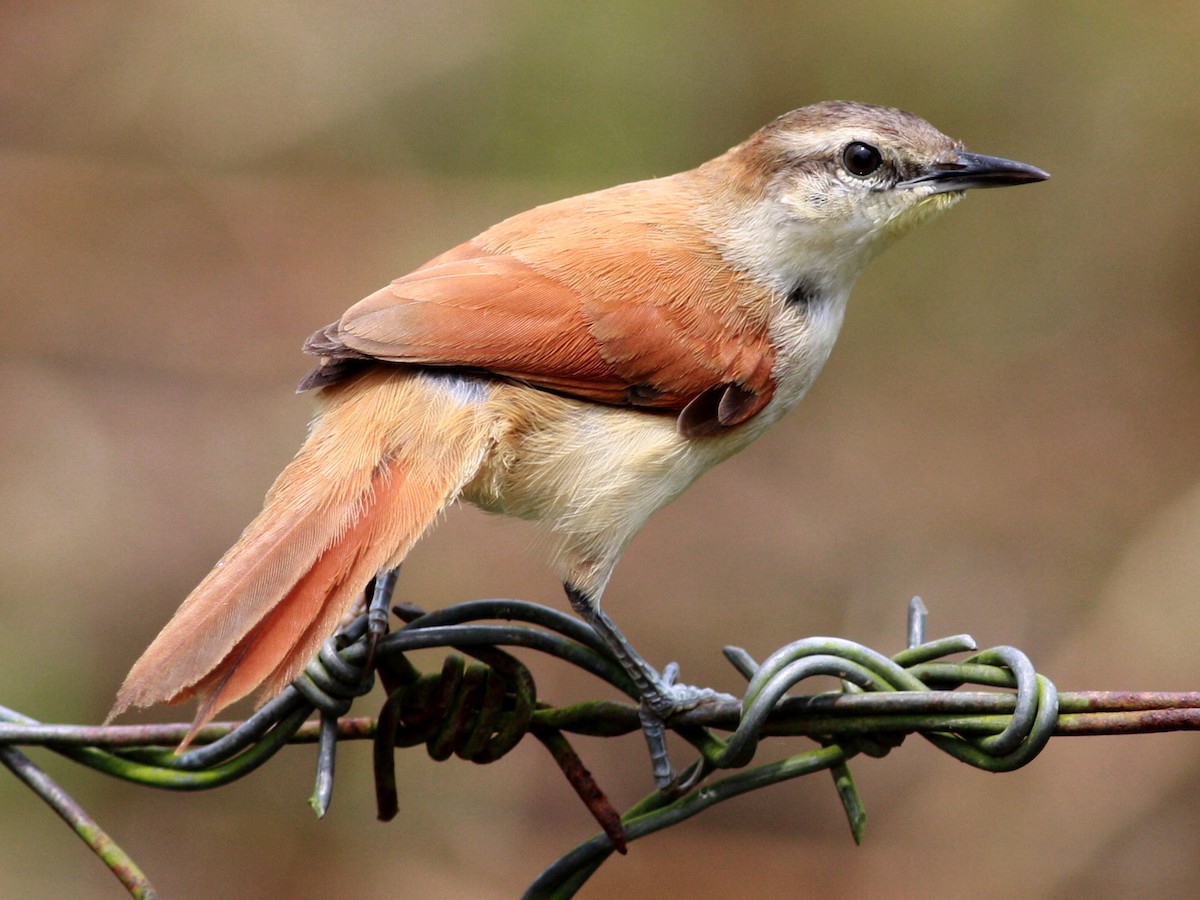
x=326, y=341
x=329, y=372
x=338, y=362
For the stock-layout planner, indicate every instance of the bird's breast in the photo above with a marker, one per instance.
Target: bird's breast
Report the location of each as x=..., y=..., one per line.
x=803, y=335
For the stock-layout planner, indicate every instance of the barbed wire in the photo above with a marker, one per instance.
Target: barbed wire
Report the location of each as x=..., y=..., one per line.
x=480, y=710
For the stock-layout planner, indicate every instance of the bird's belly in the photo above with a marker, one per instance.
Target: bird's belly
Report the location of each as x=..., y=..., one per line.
x=588, y=475
x=572, y=464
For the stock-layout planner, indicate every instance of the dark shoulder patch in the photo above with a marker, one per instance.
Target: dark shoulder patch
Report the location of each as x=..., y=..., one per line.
x=803, y=293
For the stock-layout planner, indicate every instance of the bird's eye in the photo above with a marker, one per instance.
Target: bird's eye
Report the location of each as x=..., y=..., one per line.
x=861, y=159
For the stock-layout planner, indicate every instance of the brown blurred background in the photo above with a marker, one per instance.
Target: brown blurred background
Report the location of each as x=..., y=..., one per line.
x=1009, y=426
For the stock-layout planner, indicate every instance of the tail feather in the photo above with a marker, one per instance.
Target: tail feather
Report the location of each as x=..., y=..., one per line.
x=389, y=452
x=275, y=651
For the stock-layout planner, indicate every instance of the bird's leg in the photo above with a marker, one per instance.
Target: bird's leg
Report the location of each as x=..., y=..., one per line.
x=661, y=697
x=382, y=586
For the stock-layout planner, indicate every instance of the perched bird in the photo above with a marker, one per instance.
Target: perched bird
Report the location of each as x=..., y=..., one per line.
x=577, y=365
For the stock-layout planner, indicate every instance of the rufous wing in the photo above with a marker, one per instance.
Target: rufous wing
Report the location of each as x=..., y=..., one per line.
x=622, y=312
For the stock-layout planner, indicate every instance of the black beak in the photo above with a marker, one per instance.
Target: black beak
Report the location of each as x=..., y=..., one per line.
x=974, y=170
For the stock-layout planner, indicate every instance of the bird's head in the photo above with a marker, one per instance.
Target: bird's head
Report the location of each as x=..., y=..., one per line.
x=828, y=186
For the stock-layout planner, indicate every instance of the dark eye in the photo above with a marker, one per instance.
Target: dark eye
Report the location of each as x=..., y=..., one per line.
x=861, y=159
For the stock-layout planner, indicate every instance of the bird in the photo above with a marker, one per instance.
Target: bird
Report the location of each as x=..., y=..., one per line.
x=577, y=365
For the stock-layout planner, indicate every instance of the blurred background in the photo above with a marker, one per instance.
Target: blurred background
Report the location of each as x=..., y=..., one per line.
x=1008, y=427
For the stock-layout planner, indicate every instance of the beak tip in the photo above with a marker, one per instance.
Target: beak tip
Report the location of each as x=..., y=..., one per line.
x=988, y=171
x=974, y=170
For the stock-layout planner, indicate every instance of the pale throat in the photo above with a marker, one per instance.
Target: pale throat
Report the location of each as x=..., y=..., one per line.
x=782, y=250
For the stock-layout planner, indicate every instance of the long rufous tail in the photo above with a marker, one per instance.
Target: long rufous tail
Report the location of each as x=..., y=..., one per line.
x=360, y=492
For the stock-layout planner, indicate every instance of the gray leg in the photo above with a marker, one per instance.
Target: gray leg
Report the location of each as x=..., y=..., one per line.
x=377, y=612
x=661, y=696
x=654, y=690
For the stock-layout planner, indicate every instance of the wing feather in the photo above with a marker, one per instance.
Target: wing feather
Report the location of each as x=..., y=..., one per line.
x=609, y=297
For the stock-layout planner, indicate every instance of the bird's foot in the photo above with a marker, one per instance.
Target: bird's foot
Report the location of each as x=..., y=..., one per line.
x=663, y=698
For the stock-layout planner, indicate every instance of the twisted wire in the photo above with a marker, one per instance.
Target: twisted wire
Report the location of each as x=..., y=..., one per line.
x=480, y=710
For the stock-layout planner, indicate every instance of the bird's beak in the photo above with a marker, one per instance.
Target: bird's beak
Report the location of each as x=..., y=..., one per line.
x=974, y=170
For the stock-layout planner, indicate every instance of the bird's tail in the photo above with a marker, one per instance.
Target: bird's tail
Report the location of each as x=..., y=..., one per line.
x=389, y=451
